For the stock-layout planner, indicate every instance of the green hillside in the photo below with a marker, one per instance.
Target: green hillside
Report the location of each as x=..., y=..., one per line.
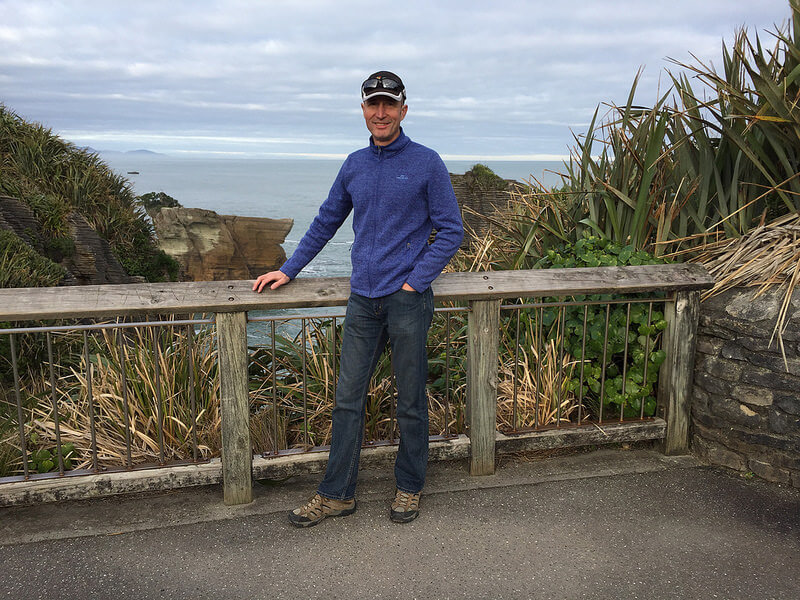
x=62, y=184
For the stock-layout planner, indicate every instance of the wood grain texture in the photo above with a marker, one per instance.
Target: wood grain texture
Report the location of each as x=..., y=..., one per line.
x=86, y=485
x=682, y=341
x=483, y=338
x=102, y=301
x=237, y=454
x=583, y=435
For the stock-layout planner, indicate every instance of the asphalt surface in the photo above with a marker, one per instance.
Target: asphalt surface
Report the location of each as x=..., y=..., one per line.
x=606, y=524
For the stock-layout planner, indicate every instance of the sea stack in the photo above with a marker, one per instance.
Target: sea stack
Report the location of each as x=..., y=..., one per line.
x=214, y=247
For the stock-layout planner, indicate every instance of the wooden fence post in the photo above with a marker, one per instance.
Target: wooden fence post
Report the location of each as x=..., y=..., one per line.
x=237, y=453
x=680, y=344
x=483, y=331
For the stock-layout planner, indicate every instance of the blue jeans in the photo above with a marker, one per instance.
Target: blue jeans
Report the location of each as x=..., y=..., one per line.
x=403, y=318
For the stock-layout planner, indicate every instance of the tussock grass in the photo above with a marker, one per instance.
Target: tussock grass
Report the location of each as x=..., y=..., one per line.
x=765, y=257
x=128, y=386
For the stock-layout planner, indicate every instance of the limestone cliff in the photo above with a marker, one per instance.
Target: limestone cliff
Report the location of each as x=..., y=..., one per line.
x=214, y=247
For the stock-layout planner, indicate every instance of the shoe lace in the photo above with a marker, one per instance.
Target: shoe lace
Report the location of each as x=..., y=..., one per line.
x=313, y=506
x=406, y=500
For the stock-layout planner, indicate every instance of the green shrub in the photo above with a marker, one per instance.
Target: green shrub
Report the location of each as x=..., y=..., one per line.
x=152, y=201
x=638, y=332
x=145, y=260
x=60, y=248
x=482, y=177
x=22, y=266
x=43, y=460
x=593, y=251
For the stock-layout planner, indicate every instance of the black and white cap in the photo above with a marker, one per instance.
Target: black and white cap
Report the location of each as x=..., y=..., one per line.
x=383, y=83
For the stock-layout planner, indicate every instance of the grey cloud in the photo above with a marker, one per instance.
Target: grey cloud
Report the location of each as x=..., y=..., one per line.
x=511, y=78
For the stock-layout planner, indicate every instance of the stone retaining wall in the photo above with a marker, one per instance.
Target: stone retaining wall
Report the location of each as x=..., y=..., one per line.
x=746, y=406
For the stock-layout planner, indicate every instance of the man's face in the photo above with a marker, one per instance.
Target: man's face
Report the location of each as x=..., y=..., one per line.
x=383, y=116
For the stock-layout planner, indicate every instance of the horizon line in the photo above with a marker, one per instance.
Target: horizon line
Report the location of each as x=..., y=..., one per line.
x=342, y=156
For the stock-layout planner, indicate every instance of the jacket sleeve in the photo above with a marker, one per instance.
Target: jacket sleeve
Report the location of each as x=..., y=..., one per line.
x=445, y=217
x=332, y=214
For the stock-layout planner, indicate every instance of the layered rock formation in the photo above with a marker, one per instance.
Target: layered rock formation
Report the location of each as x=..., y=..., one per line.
x=481, y=202
x=214, y=247
x=86, y=256
x=92, y=261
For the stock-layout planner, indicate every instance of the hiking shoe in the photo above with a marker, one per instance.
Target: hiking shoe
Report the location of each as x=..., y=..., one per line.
x=405, y=507
x=319, y=507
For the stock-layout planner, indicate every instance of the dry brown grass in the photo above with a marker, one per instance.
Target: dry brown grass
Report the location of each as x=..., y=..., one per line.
x=765, y=257
x=543, y=396
x=109, y=393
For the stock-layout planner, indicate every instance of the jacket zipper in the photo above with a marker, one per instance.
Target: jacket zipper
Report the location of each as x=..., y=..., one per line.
x=374, y=208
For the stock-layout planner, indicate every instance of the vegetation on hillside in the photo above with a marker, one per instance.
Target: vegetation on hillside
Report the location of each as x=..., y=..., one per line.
x=54, y=178
x=481, y=178
x=22, y=266
x=155, y=201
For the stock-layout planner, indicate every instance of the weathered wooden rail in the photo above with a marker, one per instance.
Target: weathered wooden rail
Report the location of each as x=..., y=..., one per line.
x=231, y=300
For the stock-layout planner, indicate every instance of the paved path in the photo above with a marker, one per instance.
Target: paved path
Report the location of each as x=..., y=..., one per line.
x=607, y=524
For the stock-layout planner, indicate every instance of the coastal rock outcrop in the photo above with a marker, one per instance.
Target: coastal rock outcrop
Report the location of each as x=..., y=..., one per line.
x=17, y=217
x=480, y=201
x=214, y=247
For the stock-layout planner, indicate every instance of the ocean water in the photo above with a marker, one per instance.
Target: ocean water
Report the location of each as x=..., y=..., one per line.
x=275, y=188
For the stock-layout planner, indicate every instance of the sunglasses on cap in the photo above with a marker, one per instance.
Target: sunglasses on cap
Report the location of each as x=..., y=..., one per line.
x=370, y=86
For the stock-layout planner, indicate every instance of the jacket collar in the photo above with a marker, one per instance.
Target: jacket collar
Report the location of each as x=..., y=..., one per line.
x=393, y=148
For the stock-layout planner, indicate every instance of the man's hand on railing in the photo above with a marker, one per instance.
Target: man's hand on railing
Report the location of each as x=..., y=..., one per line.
x=276, y=278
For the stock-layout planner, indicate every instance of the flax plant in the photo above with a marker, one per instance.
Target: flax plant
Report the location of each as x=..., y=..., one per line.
x=447, y=376
x=304, y=395
x=688, y=169
x=535, y=219
x=685, y=178
x=535, y=390
x=300, y=401
x=151, y=422
x=741, y=153
x=10, y=453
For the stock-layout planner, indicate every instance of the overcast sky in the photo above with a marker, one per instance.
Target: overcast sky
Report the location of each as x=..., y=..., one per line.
x=484, y=79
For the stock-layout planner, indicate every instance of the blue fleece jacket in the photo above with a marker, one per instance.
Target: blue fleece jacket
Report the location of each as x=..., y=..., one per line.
x=398, y=194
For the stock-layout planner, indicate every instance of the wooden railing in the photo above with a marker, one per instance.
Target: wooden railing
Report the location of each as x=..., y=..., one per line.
x=483, y=292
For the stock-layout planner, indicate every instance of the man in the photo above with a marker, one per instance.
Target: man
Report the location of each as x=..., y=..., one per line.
x=399, y=191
